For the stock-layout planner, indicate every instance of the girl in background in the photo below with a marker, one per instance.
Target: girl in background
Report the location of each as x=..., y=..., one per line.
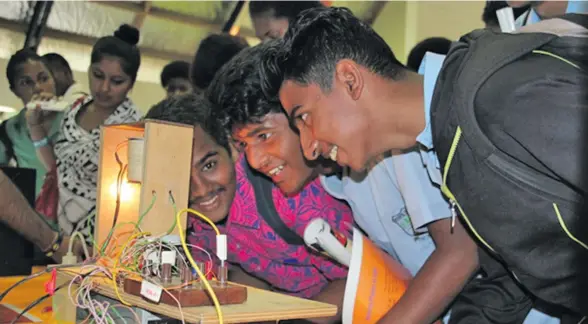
x=27, y=136
x=112, y=73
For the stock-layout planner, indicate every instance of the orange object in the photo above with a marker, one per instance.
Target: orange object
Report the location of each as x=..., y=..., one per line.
x=21, y=296
x=375, y=282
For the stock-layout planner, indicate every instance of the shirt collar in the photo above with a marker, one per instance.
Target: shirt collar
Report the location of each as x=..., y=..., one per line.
x=429, y=68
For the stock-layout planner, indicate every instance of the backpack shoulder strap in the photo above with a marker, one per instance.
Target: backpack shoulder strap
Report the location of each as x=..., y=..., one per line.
x=267, y=210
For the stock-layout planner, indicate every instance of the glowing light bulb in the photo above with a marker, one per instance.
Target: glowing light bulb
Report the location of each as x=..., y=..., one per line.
x=127, y=191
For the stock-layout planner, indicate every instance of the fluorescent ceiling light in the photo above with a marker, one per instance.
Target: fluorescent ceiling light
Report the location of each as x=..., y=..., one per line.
x=6, y=109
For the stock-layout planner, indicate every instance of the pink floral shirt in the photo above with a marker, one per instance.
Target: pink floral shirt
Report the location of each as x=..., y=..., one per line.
x=253, y=244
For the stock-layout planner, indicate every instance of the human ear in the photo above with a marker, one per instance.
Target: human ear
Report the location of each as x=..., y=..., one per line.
x=348, y=74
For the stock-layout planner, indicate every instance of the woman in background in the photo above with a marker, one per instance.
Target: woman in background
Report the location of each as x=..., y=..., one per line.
x=112, y=73
x=27, y=136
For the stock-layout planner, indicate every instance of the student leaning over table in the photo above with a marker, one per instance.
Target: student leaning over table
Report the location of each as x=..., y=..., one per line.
x=353, y=101
x=16, y=213
x=222, y=189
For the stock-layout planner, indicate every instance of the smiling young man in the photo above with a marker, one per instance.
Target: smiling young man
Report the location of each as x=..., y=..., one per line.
x=221, y=190
x=381, y=199
x=258, y=125
x=352, y=101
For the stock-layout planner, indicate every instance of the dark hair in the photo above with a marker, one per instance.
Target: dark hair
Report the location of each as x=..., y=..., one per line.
x=56, y=61
x=175, y=69
x=190, y=109
x=236, y=92
x=489, y=16
x=281, y=9
x=213, y=52
x=122, y=45
x=316, y=41
x=439, y=45
x=18, y=58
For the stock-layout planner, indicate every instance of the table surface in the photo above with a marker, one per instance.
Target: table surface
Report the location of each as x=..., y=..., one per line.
x=20, y=297
x=261, y=305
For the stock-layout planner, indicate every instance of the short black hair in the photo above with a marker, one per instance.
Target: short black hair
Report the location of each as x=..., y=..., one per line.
x=175, y=69
x=236, y=92
x=439, y=45
x=213, y=52
x=190, y=109
x=316, y=41
x=18, y=58
x=281, y=9
x=123, y=45
x=489, y=16
x=56, y=61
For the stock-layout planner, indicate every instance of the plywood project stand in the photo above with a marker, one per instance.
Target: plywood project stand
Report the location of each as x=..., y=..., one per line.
x=261, y=305
x=167, y=164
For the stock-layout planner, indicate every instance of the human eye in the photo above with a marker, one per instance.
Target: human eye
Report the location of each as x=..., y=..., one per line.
x=209, y=166
x=264, y=136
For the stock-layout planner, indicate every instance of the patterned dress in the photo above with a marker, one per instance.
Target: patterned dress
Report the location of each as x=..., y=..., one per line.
x=77, y=152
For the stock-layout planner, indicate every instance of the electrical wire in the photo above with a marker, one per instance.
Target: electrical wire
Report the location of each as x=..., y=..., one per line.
x=196, y=213
x=193, y=263
x=72, y=238
x=35, y=303
x=32, y=276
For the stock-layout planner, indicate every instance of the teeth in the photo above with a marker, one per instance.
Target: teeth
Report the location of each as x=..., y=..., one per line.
x=276, y=170
x=333, y=153
x=209, y=202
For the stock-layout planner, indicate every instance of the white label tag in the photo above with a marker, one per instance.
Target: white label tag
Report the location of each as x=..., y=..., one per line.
x=150, y=291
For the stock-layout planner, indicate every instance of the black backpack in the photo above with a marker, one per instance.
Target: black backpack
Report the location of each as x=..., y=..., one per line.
x=508, y=115
x=262, y=188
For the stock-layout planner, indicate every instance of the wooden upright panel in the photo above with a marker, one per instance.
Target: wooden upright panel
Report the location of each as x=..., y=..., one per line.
x=110, y=138
x=167, y=165
x=168, y=159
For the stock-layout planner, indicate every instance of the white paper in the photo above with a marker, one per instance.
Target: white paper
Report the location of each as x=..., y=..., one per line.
x=151, y=291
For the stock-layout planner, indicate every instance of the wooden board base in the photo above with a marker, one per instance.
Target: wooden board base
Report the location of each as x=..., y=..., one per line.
x=194, y=295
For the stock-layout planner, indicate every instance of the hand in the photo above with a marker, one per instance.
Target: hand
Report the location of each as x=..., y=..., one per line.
x=35, y=116
x=77, y=249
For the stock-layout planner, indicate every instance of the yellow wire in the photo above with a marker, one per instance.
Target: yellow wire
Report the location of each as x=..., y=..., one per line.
x=204, y=218
x=193, y=263
x=115, y=267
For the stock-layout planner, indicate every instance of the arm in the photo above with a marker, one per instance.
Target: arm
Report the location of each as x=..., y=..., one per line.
x=441, y=278
x=16, y=213
x=318, y=203
x=332, y=294
x=238, y=275
x=35, y=123
x=454, y=259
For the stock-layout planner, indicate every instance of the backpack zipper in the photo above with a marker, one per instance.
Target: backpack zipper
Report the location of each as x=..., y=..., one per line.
x=454, y=203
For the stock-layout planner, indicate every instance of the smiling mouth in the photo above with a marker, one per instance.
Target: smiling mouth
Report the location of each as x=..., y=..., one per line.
x=275, y=171
x=209, y=202
x=333, y=153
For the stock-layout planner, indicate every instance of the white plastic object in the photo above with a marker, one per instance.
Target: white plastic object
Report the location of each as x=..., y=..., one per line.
x=69, y=258
x=168, y=257
x=151, y=291
x=221, y=247
x=135, y=155
x=171, y=239
x=318, y=235
x=506, y=19
x=56, y=104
